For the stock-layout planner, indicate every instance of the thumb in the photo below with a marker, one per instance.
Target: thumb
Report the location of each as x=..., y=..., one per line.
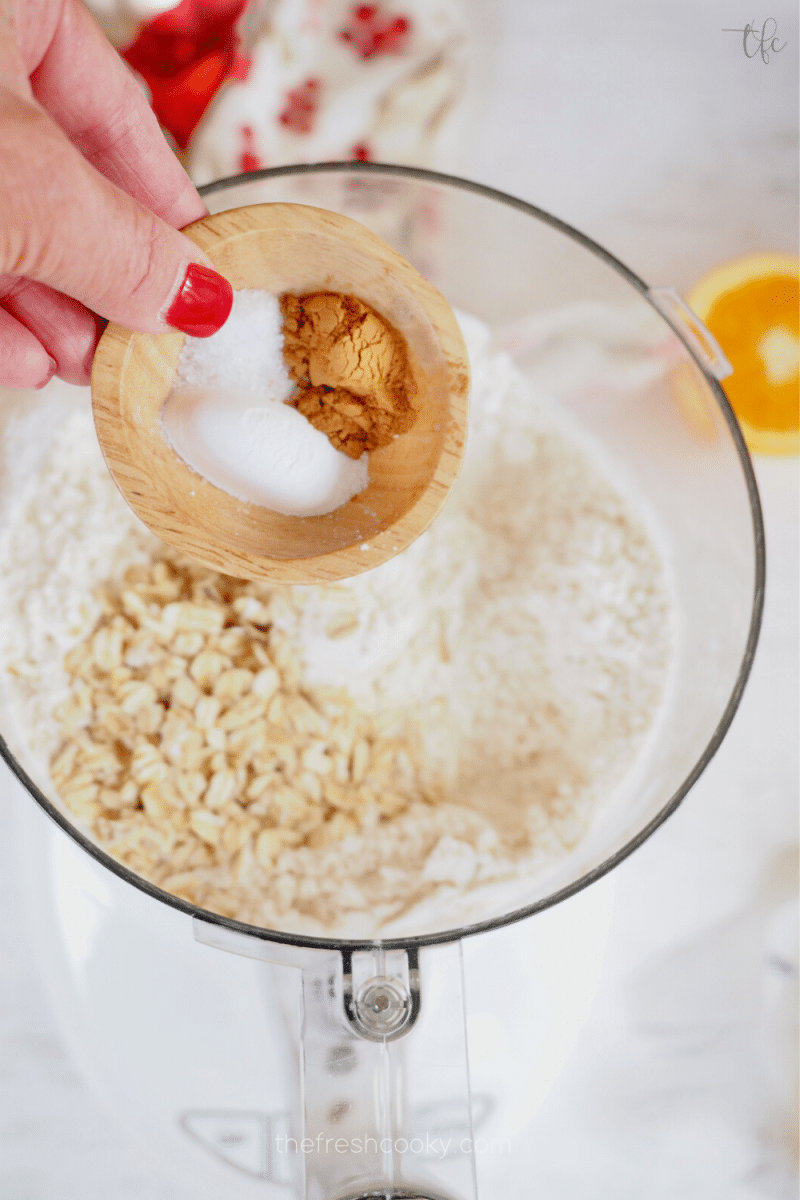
x=67, y=226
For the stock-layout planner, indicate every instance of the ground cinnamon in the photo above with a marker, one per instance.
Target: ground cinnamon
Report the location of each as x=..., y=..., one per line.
x=354, y=381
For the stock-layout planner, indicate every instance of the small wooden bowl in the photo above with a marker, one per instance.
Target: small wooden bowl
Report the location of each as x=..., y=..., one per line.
x=290, y=248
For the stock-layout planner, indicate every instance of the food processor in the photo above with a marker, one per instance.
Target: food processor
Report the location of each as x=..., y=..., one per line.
x=267, y=1064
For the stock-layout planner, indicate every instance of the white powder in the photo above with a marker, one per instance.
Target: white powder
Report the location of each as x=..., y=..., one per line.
x=228, y=420
x=527, y=632
x=264, y=452
x=246, y=354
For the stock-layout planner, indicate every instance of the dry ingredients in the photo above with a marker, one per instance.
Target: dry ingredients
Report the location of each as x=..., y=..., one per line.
x=354, y=382
x=188, y=707
x=334, y=759
x=284, y=404
x=229, y=419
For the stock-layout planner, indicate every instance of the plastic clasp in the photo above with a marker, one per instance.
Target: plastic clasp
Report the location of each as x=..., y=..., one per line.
x=686, y=323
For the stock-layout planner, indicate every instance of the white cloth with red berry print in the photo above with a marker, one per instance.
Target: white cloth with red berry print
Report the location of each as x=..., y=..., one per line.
x=243, y=84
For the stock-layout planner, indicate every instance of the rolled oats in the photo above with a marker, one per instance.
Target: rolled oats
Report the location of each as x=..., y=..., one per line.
x=193, y=753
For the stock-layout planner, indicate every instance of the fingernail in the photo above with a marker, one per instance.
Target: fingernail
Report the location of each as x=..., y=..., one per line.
x=51, y=372
x=202, y=304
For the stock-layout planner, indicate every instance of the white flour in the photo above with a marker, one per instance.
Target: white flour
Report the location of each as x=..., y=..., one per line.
x=535, y=591
x=528, y=632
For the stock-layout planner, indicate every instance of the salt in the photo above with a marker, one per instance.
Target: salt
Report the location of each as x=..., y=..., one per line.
x=227, y=419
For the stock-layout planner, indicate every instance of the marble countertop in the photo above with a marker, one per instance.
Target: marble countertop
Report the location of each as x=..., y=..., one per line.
x=647, y=127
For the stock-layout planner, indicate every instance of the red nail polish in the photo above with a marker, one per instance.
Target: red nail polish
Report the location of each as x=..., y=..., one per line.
x=203, y=303
x=50, y=373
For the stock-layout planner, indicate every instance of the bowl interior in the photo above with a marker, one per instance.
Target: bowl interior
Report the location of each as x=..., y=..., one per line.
x=662, y=431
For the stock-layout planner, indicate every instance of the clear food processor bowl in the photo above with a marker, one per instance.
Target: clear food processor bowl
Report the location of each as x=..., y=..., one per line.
x=667, y=437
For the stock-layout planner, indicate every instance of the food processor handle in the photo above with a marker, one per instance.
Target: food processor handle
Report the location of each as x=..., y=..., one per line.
x=686, y=323
x=384, y=1100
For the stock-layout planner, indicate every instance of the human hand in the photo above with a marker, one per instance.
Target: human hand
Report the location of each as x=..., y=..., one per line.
x=91, y=200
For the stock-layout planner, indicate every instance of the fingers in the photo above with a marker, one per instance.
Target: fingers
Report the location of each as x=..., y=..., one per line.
x=67, y=226
x=24, y=362
x=68, y=332
x=89, y=91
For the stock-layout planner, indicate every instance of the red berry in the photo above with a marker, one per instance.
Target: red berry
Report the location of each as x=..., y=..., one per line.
x=299, y=113
x=371, y=31
x=249, y=160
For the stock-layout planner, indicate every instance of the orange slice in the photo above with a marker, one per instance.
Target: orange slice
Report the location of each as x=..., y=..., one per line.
x=751, y=306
